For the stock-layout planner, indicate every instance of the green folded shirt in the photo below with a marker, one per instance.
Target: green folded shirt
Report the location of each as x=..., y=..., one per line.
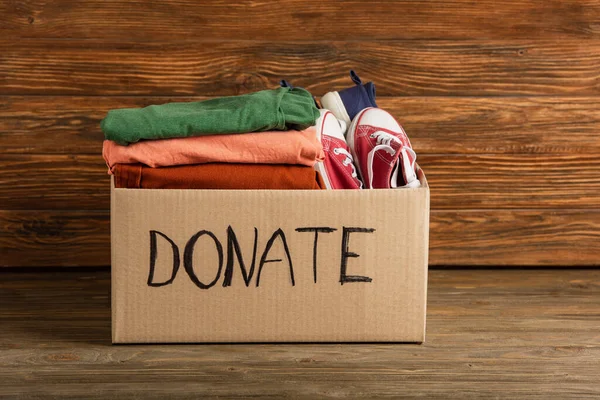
x=278, y=109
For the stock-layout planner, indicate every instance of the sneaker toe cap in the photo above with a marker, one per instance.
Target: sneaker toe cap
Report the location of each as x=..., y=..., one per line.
x=379, y=118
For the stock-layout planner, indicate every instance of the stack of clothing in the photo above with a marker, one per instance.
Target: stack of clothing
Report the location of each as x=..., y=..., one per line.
x=272, y=139
x=261, y=140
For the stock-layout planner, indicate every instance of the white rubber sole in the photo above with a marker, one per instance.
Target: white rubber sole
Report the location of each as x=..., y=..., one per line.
x=333, y=102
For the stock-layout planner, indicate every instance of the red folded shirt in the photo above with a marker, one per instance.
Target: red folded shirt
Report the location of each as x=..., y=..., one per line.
x=218, y=176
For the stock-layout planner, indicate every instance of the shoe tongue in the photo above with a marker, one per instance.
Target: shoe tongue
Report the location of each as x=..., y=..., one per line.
x=404, y=169
x=396, y=145
x=383, y=166
x=401, y=170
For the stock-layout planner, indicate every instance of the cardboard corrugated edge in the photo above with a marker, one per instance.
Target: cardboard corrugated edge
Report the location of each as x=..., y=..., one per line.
x=113, y=262
x=425, y=185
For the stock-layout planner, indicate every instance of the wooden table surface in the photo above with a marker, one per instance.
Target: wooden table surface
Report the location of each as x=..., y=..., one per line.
x=491, y=334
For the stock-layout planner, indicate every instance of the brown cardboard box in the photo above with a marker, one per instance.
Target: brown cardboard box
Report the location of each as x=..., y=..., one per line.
x=176, y=275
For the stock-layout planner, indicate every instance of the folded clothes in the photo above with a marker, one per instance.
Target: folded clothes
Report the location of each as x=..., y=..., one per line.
x=218, y=176
x=278, y=109
x=273, y=147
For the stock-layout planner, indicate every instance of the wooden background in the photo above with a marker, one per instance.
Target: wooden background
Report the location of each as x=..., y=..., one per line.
x=500, y=98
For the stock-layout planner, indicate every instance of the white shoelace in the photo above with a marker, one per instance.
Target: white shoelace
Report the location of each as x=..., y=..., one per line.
x=384, y=141
x=384, y=138
x=348, y=160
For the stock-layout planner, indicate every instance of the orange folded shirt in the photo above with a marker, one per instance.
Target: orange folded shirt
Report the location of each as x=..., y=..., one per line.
x=277, y=147
x=218, y=176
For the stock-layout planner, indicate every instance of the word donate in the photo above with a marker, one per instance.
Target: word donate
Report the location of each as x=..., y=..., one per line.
x=234, y=252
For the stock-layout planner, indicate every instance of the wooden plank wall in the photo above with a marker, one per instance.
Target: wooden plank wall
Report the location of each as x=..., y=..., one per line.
x=500, y=98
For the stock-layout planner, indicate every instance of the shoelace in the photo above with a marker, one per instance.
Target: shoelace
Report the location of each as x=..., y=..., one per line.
x=384, y=141
x=347, y=161
x=384, y=138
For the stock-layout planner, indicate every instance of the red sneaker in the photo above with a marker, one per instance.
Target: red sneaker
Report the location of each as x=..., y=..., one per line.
x=382, y=151
x=337, y=169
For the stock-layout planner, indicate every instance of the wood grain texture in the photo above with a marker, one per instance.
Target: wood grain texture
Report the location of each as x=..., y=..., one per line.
x=490, y=334
x=291, y=19
x=400, y=68
x=438, y=125
x=512, y=181
x=500, y=99
x=457, y=238
x=54, y=238
x=70, y=182
x=519, y=237
x=479, y=125
x=64, y=182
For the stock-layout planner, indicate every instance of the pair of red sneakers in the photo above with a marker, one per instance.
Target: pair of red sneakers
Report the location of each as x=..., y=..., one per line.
x=372, y=153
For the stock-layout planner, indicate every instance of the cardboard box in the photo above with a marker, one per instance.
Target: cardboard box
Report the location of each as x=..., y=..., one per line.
x=318, y=266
